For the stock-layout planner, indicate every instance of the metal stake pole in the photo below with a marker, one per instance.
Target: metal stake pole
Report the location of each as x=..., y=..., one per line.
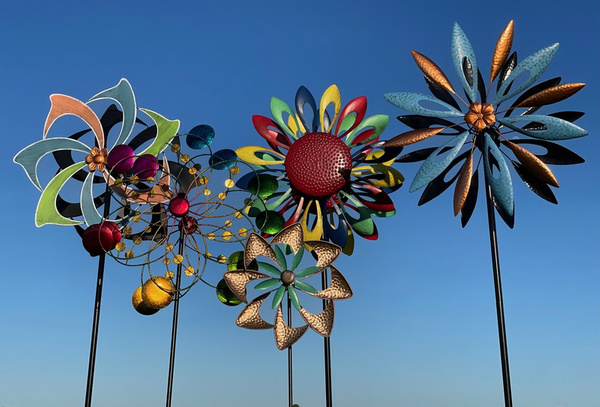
x=290, y=378
x=499, y=301
x=327, y=351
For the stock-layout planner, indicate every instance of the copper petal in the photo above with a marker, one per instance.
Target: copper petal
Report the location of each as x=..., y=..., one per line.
x=339, y=289
x=463, y=184
x=326, y=252
x=237, y=280
x=257, y=246
x=432, y=71
x=552, y=95
x=533, y=164
x=292, y=236
x=250, y=316
x=286, y=336
x=502, y=50
x=411, y=137
x=321, y=323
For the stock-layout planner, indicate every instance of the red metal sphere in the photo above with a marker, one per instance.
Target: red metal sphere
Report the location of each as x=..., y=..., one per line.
x=318, y=164
x=179, y=206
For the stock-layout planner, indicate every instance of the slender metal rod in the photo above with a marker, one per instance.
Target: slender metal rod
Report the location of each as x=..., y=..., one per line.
x=290, y=377
x=96, y=318
x=175, y=318
x=327, y=352
x=499, y=301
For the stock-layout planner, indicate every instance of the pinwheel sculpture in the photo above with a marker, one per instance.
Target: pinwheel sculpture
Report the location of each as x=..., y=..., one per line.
x=326, y=171
x=497, y=133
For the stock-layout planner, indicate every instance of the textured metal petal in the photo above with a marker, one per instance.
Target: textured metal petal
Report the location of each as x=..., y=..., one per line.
x=501, y=183
x=420, y=122
x=411, y=137
x=533, y=164
x=339, y=289
x=532, y=91
x=439, y=184
x=250, y=317
x=411, y=102
x=555, y=153
x=321, y=323
x=461, y=49
x=286, y=336
x=441, y=93
x=556, y=129
x=326, y=252
x=431, y=169
x=292, y=235
x=238, y=279
x=432, y=71
x=535, y=64
x=552, y=95
x=463, y=184
x=304, y=97
x=502, y=50
x=471, y=201
x=506, y=70
x=539, y=187
x=257, y=246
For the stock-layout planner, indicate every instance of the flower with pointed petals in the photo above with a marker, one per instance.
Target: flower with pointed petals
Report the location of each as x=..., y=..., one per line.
x=486, y=126
x=51, y=208
x=321, y=169
x=282, y=277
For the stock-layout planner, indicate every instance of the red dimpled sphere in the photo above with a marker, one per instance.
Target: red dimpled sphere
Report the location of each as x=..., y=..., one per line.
x=101, y=238
x=318, y=164
x=179, y=206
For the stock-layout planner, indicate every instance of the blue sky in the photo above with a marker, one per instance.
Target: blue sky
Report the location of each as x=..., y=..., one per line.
x=421, y=328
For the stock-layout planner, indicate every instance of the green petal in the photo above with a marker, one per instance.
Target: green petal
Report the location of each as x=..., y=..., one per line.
x=309, y=271
x=378, y=123
x=280, y=257
x=297, y=259
x=165, y=132
x=278, y=297
x=269, y=268
x=272, y=282
x=294, y=297
x=301, y=285
x=278, y=106
x=46, y=211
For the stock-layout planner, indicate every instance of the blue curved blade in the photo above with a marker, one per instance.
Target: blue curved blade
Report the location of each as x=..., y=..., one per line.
x=410, y=102
x=461, y=49
x=556, y=129
x=501, y=185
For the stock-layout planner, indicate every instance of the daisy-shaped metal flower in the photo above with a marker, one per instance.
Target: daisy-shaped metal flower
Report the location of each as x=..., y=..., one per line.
x=321, y=170
x=484, y=126
x=282, y=277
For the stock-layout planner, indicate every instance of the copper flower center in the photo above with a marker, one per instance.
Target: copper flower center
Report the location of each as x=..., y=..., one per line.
x=480, y=116
x=96, y=159
x=318, y=164
x=287, y=278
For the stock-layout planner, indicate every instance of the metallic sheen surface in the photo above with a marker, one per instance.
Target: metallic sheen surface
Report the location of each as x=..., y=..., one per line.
x=293, y=236
x=432, y=71
x=339, y=289
x=250, y=317
x=326, y=252
x=257, y=246
x=321, y=323
x=552, y=95
x=285, y=335
x=463, y=183
x=412, y=136
x=502, y=50
x=533, y=164
x=237, y=280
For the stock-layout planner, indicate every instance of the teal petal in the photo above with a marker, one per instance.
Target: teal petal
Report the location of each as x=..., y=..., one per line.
x=556, y=129
x=297, y=259
x=278, y=297
x=501, y=184
x=294, y=297
x=278, y=107
x=301, y=285
x=461, y=49
x=269, y=268
x=309, y=271
x=431, y=169
x=535, y=64
x=410, y=102
x=280, y=257
x=91, y=216
x=272, y=282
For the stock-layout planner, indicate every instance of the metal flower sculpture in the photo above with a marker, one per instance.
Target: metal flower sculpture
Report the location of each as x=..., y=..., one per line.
x=323, y=167
x=486, y=127
x=287, y=278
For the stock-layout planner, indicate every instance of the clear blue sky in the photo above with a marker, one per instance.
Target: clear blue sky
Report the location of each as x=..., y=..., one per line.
x=421, y=328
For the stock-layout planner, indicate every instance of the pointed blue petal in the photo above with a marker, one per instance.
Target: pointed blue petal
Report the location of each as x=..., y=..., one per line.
x=431, y=169
x=556, y=129
x=501, y=185
x=461, y=49
x=410, y=102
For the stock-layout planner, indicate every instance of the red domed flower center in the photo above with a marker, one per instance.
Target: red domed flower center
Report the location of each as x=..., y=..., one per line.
x=188, y=224
x=179, y=206
x=318, y=164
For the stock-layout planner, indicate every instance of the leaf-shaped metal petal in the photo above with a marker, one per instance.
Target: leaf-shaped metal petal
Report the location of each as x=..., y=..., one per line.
x=293, y=296
x=555, y=153
x=270, y=283
x=506, y=70
x=321, y=323
x=533, y=164
x=556, y=129
x=461, y=49
x=301, y=285
x=432, y=71
x=420, y=122
x=278, y=297
x=271, y=132
x=358, y=108
x=250, y=317
x=469, y=205
x=330, y=96
x=257, y=155
x=532, y=91
x=463, y=184
x=539, y=187
x=339, y=289
x=375, y=125
x=91, y=216
x=257, y=246
x=304, y=97
x=286, y=336
x=411, y=137
x=278, y=107
x=292, y=235
x=431, y=169
x=441, y=93
x=501, y=184
x=411, y=102
x=439, y=184
x=535, y=64
x=238, y=279
x=326, y=252
x=419, y=155
x=552, y=95
x=502, y=50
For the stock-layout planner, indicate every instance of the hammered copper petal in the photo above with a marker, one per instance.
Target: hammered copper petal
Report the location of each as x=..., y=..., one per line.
x=250, y=316
x=326, y=252
x=236, y=281
x=257, y=246
x=292, y=236
x=411, y=137
x=533, y=164
x=552, y=95
x=286, y=336
x=502, y=50
x=339, y=289
x=463, y=184
x=321, y=323
x=432, y=71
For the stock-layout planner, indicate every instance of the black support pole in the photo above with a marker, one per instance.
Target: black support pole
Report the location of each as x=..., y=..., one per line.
x=499, y=301
x=290, y=377
x=327, y=352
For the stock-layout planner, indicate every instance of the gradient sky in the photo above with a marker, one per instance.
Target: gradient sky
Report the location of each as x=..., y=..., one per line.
x=421, y=328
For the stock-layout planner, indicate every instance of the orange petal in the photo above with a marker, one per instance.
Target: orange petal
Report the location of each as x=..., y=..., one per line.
x=463, y=184
x=533, y=164
x=552, y=95
x=432, y=71
x=411, y=137
x=502, y=50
